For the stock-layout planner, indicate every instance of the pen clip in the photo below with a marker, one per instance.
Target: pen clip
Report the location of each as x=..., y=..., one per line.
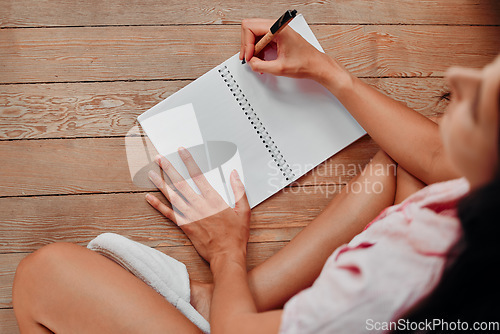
x=283, y=20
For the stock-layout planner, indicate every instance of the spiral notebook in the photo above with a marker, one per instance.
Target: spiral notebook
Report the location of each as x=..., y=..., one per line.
x=271, y=129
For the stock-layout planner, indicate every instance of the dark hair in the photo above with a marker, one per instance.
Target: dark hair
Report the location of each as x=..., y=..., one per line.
x=468, y=291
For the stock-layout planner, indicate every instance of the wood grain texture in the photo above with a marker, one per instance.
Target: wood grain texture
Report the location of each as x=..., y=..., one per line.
x=29, y=223
x=8, y=324
x=139, y=53
x=26, y=13
x=78, y=109
x=68, y=110
x=8, y=265
x=93, y=165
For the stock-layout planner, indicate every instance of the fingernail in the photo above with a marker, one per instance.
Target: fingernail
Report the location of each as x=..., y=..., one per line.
x=234, y=174
x=148, y=197
x=183, y=152
x=153, y=176
x=158, y=159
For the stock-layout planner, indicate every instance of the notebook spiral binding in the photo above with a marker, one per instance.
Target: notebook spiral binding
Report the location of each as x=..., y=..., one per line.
x=278, y=158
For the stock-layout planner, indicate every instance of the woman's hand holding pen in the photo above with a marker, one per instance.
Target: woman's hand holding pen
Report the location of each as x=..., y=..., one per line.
x=215, y=229
x=296, y=57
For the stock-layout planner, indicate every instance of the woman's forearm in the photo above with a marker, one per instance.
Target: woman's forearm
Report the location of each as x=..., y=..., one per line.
x=410, y=138
x=231, y=293
x=233, y=309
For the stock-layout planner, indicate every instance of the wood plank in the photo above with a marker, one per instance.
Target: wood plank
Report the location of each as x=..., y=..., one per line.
x=8, y=324
x=67, y=110
x=78, y=109
x=26, y=13
x=94, y=165
x=198, y=268
x=8, y=265
x=29, y=223
x=137, y=53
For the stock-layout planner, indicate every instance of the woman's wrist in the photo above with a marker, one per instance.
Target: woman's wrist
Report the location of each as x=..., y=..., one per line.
x=221, y=260
x=330, y=74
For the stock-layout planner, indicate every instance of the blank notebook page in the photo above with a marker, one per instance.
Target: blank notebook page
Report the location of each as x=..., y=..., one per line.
x=219, y=118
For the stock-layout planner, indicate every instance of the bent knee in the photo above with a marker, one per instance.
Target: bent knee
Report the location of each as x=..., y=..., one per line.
x=382, y=165
x=36, y=279
x=406, y=185
x=382, y=158
x=38, y=267
x=46, y=257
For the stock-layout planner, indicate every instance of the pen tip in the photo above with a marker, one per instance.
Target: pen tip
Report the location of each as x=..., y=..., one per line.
x=243, y=61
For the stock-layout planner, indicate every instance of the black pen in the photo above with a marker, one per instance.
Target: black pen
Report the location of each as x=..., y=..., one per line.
x=275, y=29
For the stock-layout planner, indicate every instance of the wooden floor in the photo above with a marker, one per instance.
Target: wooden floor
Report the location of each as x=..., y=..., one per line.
x=74, y=75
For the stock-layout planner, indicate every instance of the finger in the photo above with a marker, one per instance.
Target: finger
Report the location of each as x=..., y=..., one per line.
x=164, y=209
x=249, y=50
x=194, y=171
x=247, y=44
x=242, y=46
x=171, y=195
x=274, y=67
x=250, y=29
x=240, y=196
x=242, y=52
x=177, y=180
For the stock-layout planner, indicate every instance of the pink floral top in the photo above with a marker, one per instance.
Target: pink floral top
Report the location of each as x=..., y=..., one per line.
x=385, y=270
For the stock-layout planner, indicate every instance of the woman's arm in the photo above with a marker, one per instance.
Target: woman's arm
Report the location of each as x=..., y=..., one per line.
x=220, y=235
x=233, y=309
x=408, y=137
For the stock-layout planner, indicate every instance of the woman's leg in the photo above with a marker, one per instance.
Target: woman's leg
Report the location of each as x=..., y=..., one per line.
x=299, y=263
x=69, y=289
x=406, y=184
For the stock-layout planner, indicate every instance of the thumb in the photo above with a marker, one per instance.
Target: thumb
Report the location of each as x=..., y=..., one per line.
x=265, y=66
x=240, y=196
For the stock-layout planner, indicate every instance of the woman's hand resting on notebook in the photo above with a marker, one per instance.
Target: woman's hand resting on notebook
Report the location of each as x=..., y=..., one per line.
x=214, y=228
x=296, y=57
